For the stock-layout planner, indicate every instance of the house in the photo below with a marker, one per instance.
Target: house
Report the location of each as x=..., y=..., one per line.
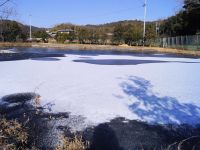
x=67, y=31
x=52, y=34
x=35, y=40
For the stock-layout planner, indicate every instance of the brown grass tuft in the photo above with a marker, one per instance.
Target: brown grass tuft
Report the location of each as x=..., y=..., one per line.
x=75, y=143
x=12, y=134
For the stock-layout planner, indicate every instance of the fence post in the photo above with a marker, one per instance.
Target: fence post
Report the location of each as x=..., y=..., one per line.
x=172, y=41
x=168, y=41
x=198, y=42
x=163, y=42
x=186, y=40
x=181, y=42
x=177, y=41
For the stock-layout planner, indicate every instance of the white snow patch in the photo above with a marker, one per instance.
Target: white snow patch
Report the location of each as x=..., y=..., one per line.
x=95, y=92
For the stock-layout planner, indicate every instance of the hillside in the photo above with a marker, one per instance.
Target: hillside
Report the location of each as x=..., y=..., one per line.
x=23, y=26
x=108, y=27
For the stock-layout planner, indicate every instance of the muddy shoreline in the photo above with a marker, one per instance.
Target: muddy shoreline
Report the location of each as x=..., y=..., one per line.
x=102, y=47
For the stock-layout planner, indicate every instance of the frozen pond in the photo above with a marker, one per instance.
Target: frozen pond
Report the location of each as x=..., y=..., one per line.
x=100, y=86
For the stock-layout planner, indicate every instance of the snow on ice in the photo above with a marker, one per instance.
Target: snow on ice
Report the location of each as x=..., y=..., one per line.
x=102, y=87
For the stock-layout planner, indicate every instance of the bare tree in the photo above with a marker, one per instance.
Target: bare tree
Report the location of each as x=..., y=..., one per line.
x=3, y=2
x=6, y=10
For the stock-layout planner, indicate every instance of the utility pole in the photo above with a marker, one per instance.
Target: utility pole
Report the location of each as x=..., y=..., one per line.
x=145, y=15
x=157, y=29
x=2, y=39
x=30, y=27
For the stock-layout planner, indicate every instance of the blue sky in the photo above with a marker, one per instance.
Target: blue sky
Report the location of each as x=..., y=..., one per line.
x=47, y=13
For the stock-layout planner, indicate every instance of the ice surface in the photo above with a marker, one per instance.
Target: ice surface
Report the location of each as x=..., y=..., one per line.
x=152, y=89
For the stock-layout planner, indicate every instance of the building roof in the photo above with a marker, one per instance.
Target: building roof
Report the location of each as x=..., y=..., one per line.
x=66, y=30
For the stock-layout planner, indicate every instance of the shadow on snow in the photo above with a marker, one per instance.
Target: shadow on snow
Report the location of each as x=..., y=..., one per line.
x=124, y=61
x=33, y=56
x=155, y=109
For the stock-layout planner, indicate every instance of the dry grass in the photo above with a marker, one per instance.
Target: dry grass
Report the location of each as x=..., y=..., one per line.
x=12, y=135
x=75, y=143
x=14, y=44
x=123, y=48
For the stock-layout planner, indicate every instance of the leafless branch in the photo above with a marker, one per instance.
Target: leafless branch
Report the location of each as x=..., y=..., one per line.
x=3, y=3
x=6, y=12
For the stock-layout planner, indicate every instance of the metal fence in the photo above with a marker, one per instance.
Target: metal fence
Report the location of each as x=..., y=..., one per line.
x=179, y=42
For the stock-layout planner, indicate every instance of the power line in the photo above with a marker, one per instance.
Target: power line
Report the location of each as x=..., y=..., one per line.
x=30, y=27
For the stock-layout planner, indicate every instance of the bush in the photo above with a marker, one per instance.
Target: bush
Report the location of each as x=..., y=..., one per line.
x=41, y=34
x=61, y=37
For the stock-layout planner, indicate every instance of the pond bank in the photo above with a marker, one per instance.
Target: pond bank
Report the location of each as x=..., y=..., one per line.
x=102, y=47
x=44, y=128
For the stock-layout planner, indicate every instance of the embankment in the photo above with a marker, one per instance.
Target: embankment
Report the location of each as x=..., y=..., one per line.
x=102, y=47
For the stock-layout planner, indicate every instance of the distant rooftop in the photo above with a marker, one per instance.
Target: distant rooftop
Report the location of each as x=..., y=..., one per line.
x=66, y=30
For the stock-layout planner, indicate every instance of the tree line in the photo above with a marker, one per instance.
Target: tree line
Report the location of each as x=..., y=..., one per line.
x=122, y=32
x=12, y=31
x=185, y=22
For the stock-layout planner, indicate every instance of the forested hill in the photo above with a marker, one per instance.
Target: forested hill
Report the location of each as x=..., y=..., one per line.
x=109, y=27
x=113, y=24
x=120, y=32
x=12, y=31
x=23, y=26
x=185, y=22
